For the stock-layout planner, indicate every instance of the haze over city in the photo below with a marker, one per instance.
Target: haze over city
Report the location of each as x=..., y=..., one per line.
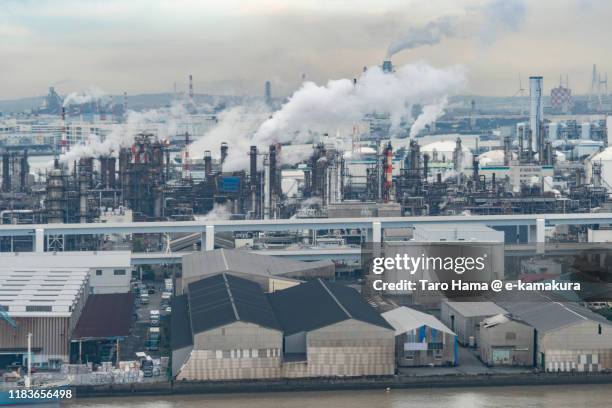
x=232, y=47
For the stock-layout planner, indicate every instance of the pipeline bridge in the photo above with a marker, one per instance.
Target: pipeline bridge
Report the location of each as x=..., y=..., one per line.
x=371, y=227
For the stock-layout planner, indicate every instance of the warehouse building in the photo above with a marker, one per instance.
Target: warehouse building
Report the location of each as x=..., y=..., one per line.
x=568, y=337
x=464, y=318
x=109, y=271
x=421, y=339
x=330, y=330
x=46, y=302
x=225, y=329
x=272, y=273
x=96, y=330
x=505, y=340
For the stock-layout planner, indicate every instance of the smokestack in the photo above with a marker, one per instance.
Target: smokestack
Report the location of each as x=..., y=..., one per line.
x=24, y=170
x=387, y=66
x=111, y=168
x=272, y=179
x=6, y=175
x=186, y=170
x=224, y=150
x=388, y=170
x=63, y=141
x=125, y=103
x=190, y=88
x=268, y=93
x=253, y=165
x=207, y=164
x=536, y=114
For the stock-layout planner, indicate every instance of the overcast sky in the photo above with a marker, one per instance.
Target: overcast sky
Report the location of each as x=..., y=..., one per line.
x=233, y=46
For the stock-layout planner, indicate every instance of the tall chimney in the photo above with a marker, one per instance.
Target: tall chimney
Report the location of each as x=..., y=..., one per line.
x=207, y=164
x=536, y=114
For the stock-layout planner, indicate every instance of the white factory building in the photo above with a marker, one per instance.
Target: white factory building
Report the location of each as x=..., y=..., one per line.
x=464, y=318
x=46, y=302
x=109, y=271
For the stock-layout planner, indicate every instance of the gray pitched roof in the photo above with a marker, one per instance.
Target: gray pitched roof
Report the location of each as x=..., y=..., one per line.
x=235, y=260
x=180, y=325
x=317, y=304
x=222, y=299
x=549, y=316
x=472, y=309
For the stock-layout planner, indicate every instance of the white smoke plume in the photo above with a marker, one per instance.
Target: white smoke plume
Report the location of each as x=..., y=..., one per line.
x=236, y=127
x=316, y=109
x=494, y=18
x=341, y=103
x=161, y=122
x=219, y=212
x=90, y=94
x=428, y=116
x=429, y=34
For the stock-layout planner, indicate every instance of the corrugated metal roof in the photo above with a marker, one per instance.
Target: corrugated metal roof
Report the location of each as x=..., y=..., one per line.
x=549, y=316
x=472, y=309
x=41, y=291
x=222, y=299
x=404, y=319
x=315, y=304
x=105, y=316
x=77, y=259
x=180, y=325
x=235, y=260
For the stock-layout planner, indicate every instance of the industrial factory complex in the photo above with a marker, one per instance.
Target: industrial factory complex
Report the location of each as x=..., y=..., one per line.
x=139, y=251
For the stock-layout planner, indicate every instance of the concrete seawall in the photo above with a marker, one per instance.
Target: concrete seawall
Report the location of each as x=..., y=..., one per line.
x=331, y=384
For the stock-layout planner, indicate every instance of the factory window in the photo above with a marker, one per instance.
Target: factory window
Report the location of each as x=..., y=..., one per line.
x=409, y=355
x=227, y=354
x=98, y=272
x=3, y=308
x=434, y=346
x=262, y=353
x=438, y=354
x=119, y=272
x=38, y=308
x=218, y=354
x=510, y=336
x=599, y=329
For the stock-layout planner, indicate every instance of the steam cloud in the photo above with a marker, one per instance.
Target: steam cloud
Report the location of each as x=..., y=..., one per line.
x=162, y=122
x=316, y=109
x=311, y=111
x=429, y=34
x=497, y=16
x=90, y=94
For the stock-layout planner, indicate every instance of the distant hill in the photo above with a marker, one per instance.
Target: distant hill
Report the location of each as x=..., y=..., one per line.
x=135, y=102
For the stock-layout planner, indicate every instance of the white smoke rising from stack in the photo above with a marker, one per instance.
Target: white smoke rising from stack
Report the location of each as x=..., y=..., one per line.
x=90, y=94
x=428, y=116
x=341, y=103
x=316, y=109
x=429, y=34
x=162, y=122
x=494, y=18
x=235, y=126
x=219, y=212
